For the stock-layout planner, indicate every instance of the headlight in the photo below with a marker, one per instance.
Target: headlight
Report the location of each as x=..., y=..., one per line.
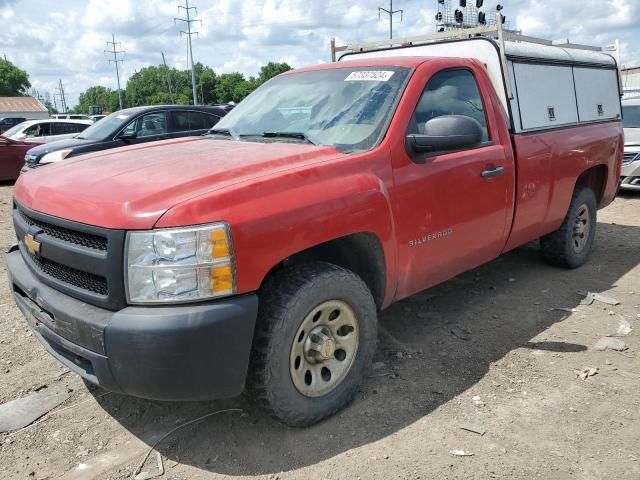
x=54, y=157
x=30, y=158
x=179, y=264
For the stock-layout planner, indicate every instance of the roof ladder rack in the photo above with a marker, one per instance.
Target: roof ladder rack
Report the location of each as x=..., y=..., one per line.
x=492, y=31
x=496, y=32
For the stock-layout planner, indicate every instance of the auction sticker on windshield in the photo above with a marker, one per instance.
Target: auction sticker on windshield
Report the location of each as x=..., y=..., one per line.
x=369, y=75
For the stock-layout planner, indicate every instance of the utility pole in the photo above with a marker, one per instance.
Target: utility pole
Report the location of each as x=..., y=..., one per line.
x=166, y=75
x=391, y=12
x=188, y=34
x=63, y=101
x=115, y=60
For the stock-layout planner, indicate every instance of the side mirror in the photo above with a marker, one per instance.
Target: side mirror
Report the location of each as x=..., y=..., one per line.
x=442, y=134
x=127, y=135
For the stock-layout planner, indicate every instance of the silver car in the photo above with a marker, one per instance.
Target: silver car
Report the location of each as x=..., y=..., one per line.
x=630, y=175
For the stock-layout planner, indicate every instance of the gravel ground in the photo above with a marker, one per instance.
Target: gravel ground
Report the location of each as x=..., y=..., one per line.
x=484, y=350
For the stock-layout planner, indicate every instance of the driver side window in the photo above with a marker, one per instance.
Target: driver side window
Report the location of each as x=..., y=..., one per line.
x=39, y=130
x=147, y=125
x=450, y=92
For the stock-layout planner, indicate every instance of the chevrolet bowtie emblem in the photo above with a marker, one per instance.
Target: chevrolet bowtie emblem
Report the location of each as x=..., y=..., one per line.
x=32, y=244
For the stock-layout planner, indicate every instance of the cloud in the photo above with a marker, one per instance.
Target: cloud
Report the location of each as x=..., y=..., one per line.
x=66, y=39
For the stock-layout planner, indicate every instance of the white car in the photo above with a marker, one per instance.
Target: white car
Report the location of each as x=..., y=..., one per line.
x=630, y=175
x=70, y=116
x=45, y=131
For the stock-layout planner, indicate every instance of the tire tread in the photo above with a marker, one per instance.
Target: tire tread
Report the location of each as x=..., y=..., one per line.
x=281, y=292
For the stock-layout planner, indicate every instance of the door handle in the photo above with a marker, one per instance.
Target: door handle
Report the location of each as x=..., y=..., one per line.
x=492, y=172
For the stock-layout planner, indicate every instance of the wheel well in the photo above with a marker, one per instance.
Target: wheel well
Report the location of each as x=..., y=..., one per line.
x=360, y=252
x=594, y=178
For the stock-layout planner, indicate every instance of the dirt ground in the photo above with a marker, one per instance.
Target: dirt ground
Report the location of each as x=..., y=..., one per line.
x=483, y=350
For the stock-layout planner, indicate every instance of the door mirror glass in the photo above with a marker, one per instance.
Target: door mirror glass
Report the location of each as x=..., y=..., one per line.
x=128, y=135
x=445, y=133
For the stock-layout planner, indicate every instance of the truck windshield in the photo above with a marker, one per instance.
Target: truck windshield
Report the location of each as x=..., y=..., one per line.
x=631, y=115
x=348, y=108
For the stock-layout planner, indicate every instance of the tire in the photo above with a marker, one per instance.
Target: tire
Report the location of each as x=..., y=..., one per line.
x=296, y=305
x=571, y=245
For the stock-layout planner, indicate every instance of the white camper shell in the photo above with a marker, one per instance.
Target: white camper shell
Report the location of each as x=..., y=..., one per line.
x=546, y=86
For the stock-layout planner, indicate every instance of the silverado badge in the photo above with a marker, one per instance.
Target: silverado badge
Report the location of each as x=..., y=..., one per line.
x=32, y=244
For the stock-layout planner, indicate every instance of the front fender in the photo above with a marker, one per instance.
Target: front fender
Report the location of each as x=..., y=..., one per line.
x=275, y=218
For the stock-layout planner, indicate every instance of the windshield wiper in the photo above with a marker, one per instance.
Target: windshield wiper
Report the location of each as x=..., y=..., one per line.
x=224, y=131
x=297, y=135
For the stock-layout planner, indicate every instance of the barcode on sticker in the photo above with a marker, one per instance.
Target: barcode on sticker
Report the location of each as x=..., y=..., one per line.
x=369, y=76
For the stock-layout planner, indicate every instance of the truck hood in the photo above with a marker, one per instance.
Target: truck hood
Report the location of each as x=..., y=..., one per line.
x=132, y=187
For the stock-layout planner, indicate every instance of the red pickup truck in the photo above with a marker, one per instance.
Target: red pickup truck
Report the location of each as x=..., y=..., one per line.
x=260, y=254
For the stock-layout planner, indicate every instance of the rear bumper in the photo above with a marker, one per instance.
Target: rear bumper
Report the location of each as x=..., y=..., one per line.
x=191, y=352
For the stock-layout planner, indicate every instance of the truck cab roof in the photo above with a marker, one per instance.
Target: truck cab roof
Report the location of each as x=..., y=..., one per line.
x=390, y=61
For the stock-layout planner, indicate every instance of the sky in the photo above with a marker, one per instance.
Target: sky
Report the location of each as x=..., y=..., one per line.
x=65, y=39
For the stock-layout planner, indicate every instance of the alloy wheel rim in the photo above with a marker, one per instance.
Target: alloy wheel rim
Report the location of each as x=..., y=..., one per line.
x=324, y=348
x=581, y=229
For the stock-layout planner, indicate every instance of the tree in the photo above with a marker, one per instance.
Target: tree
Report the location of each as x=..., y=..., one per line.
x=149, y=86
x=271, y=70
x=232, y=87
x=99, y=96
x=206, y=80
x=14, y=82
x=52, y=110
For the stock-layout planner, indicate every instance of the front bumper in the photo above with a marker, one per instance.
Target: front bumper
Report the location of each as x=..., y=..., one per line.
x=191, y=352
x=630, y=176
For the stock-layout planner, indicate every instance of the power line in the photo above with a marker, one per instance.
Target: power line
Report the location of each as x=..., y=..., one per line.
x=63, y=100
x=115, y=60
x=391, y=12
x=189, y=34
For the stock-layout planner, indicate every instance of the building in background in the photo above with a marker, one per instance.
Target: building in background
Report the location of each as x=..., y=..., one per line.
x=28, y=108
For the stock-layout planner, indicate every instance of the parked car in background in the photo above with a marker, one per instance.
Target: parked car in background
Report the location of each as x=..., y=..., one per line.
x=70, y=116
x=95, y=118
x=12, y=154
x=630, y=174
x=128, y=127
x=43, y=131
x=7, y=122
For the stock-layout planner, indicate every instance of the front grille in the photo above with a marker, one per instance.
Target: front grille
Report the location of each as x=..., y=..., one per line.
x=629, y=157
x=71, y=276
x=72, y=236
x=80, y=260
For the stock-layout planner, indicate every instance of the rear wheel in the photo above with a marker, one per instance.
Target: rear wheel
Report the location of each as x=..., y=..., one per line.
x=315, y=338
x=571, y=244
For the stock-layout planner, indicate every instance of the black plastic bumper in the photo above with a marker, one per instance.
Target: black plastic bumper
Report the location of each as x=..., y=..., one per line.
x=191, y=352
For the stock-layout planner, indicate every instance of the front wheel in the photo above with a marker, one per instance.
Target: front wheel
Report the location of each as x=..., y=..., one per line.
x=571, y=244
x=315, y=337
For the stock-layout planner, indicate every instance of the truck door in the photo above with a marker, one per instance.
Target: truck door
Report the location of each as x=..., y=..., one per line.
x=451, y=210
